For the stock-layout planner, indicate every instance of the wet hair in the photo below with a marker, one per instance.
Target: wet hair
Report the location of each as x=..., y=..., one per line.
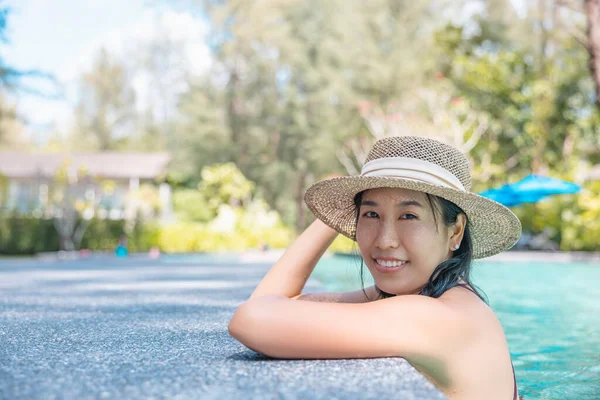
x=448, y=273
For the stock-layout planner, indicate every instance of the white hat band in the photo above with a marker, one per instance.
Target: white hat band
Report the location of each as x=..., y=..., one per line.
x=412, y=169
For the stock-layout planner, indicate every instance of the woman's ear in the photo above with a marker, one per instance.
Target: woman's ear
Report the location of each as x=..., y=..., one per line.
x=458, y=229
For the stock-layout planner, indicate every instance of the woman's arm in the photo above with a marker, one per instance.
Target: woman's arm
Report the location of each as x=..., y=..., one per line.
x=406, y=326
x=289, y=275
x=356, y=296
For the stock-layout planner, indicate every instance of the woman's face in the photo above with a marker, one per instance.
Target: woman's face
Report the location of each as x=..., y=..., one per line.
x=399, y=240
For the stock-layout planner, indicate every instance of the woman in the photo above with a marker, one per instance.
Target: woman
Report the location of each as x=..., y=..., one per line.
x=417, y=227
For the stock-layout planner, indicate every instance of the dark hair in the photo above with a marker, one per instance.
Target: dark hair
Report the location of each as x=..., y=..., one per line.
x=447, y=274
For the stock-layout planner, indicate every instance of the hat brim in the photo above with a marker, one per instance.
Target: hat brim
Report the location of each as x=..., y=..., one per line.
x=494, y=228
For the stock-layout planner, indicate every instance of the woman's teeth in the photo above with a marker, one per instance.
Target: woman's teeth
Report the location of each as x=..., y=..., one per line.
x=390, y=264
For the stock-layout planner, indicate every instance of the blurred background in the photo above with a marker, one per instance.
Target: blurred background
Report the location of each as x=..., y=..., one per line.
x=191, y=126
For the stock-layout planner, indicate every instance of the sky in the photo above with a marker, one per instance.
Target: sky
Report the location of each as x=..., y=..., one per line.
x=62, y=37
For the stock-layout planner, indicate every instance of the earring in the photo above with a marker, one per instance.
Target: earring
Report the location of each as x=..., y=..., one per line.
x=456, y=246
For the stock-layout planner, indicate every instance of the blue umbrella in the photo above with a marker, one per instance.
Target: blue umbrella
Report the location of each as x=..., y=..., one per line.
x=530, y=189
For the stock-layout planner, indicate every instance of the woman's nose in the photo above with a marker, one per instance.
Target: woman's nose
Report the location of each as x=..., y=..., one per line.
x=387, y=237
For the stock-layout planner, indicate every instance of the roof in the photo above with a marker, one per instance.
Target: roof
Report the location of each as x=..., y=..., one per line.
x=110, y=165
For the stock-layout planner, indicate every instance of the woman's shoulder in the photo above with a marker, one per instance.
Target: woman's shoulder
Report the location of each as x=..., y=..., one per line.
x=474, y=313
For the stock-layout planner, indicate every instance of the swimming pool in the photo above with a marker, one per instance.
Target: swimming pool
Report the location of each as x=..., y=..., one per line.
x=550, y=313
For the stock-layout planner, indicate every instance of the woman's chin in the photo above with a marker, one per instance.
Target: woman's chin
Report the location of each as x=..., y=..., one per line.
x=397, y=290
x=386, y=287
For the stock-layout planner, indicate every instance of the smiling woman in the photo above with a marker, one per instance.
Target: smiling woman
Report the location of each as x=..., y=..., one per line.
x=417, y=227
x=385, y=213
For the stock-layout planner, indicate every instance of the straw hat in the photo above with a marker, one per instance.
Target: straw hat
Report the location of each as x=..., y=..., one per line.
x=423, y=165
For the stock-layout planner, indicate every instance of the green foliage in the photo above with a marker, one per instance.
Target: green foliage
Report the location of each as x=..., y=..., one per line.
x=192, y=237
x=4, y=181
x=541, y=111
x=573, y=221
x=26, y=235
x=222, y=184
x=225, y=184
x=191, y=205
x=104, y=234
x=580, y=228
x=143, y=235
x=203, y=138
x=295, y=73
x=237, y=228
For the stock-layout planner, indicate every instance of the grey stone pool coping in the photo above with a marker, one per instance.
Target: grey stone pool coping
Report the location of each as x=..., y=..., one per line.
x=137, y=328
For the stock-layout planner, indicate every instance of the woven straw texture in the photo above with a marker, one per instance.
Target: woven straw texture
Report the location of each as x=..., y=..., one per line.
x=494, y=228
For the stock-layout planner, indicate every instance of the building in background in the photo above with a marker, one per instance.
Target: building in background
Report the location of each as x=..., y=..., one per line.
x=111, y=180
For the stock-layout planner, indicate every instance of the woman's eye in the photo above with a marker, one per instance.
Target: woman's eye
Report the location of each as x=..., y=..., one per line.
x=371, y=214
x=408, y=216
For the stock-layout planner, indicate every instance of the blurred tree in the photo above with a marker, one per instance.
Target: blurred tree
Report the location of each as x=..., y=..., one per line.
x=202, y=133
x=225, y=184
x=429, y=112
x=192, y=205
x=14, y=80
x=105, y=113
x=592, y=10
x=162, y=75
x=73, y=199
x=388, y=38
x=291, y=76
x=388, y=66
x=11, y=129
x=300, y=89
x=541, y=113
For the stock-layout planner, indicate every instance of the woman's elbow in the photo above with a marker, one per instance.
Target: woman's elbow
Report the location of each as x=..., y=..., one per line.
x=252, y=315
x=236, y=325
x=249, y=325
x=244, y=323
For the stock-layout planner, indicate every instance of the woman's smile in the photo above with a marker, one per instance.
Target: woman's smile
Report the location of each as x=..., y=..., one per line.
x=387, y=266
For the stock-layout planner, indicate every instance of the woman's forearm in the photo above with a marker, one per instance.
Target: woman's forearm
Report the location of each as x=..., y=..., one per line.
x=289, y=275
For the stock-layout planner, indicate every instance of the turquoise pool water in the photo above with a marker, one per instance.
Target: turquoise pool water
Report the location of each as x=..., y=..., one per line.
x=550, y=313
